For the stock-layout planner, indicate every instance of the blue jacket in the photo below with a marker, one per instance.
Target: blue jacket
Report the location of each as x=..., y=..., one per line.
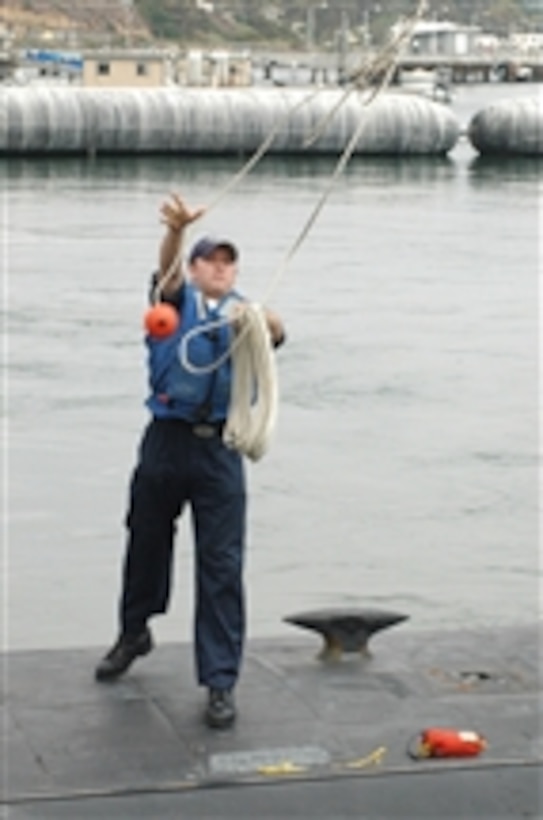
x=176, y=392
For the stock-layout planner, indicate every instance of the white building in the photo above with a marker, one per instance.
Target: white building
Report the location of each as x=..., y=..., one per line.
x=135, y=68
x=529, y=42
x=443, y=38
x=532, y=6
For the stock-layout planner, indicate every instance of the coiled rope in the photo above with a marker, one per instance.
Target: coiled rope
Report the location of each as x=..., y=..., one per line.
x=254, y=393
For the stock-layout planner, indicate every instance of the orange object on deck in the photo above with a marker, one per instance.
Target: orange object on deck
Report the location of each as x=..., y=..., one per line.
x=161, y=320
x=440, y=742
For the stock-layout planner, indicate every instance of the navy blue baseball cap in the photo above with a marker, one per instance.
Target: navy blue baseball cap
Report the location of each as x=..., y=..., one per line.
x=208, y=245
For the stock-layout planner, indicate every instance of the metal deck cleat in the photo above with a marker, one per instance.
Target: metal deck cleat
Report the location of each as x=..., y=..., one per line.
x=345, y=630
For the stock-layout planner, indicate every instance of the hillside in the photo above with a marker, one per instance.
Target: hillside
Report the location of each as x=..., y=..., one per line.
x=72, y=22
x=248, y=23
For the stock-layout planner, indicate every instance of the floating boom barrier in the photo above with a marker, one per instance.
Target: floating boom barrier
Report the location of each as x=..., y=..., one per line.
x=509, y=127
x=67, y=120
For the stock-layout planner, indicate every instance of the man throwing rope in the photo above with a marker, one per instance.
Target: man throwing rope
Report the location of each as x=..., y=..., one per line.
x=183, y=460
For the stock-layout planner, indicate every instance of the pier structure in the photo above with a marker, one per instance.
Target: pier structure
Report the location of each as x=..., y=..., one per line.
x=324, y=68
x=480, y=68
x=155, y=68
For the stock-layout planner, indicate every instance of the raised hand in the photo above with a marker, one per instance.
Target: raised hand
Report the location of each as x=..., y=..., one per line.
x=176, y=214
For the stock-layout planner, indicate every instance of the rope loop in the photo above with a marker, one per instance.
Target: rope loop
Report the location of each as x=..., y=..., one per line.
x=252, y=412
x=203, y=370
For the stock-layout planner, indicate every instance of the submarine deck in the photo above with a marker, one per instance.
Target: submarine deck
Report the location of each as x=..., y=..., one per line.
x=313, y=739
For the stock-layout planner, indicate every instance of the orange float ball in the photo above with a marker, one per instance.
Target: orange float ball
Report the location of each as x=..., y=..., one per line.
x=161, y=320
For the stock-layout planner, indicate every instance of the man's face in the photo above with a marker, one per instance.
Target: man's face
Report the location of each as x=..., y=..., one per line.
x=215, y=274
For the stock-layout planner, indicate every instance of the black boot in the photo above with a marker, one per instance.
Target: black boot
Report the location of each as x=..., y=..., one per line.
x=123, y=654
x=221, y=709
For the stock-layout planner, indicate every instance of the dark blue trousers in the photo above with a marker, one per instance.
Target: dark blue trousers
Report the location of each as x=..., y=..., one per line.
x=176, y=466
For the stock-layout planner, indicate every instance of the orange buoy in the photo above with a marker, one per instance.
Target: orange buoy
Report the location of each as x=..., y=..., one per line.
x=161, y=320
x=440, y=742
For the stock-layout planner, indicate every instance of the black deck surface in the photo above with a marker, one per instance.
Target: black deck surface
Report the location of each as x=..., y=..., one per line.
x=313, y=740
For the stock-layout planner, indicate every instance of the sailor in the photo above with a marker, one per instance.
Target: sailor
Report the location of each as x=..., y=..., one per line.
x=184, y=461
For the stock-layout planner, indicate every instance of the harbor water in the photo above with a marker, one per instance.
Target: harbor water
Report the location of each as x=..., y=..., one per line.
x=403, y=473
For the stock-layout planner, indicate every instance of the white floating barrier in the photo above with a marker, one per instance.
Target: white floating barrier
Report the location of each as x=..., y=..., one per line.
x=49, y=120
x=513, y=127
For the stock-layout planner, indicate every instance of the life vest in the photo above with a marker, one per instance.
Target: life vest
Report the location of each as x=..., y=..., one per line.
x=176, y=391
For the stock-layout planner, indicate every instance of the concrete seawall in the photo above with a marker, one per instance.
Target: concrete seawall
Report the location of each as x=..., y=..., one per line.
x=219, y=121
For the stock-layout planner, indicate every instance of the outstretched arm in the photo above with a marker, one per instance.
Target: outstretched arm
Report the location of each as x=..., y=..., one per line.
x=175, y=215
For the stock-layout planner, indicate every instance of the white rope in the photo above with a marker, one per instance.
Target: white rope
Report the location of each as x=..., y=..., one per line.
x=382, y=66
x=236, y=179
x=252, y=412
x=203, y=369
x=254, y=392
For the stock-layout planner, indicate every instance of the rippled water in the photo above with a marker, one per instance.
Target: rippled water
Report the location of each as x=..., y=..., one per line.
x=404, y=469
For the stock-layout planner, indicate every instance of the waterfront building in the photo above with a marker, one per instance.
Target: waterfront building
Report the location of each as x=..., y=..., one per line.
x=533, y=7
x=135, y=68
x=443, y=38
